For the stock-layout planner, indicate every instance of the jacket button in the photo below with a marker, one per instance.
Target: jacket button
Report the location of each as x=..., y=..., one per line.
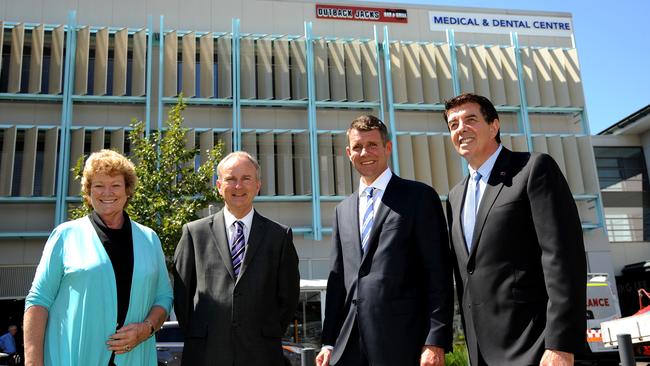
x=470, y=270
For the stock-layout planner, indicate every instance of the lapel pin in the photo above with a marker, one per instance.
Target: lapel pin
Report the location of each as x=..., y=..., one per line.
x=503, y=174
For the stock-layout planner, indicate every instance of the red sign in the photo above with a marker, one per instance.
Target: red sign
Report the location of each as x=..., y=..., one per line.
x=340, y=12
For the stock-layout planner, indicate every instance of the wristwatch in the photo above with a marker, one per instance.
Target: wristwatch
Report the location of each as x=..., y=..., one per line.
x=152, y=329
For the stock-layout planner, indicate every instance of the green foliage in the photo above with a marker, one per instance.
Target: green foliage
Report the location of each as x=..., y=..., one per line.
x=170, y=191
x=458, y=357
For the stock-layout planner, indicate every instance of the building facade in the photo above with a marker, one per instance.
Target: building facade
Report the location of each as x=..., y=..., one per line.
x=282, y=80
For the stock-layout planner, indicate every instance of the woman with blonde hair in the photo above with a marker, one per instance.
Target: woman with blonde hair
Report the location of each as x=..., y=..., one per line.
x=101, y=288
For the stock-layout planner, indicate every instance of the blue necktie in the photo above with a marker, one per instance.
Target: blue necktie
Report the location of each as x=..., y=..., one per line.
x=237, y=249
x=469, y=213
x=368, y=218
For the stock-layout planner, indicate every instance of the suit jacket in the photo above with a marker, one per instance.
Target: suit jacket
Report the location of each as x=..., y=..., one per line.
x=400, y=291
x=228, y=321
x=522, y=287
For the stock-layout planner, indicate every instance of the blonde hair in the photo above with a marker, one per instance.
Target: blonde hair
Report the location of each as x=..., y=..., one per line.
x=111, y=163
x=240, y=154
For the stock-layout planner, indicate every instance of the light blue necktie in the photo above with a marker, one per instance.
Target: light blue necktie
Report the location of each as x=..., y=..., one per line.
x=469, y=212
x=368, y=218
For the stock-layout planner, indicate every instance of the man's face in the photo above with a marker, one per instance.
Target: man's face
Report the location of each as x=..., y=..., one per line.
x=368, y=153
x=472, y=136
x=238, y=185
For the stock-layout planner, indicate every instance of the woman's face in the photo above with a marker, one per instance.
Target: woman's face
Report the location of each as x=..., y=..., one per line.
x=108, y=194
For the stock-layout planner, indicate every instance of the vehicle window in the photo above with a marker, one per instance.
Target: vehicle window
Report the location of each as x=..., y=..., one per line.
x=174, y=334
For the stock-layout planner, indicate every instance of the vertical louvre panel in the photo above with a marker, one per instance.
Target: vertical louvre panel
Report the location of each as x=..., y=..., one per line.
x=495, y=75
x=405, y=152
x=342, y=167
x=573, y=78
x=224, y=67
x=206, y=50
x=510, y=75
x=282, y=83
x=29, y=162
x=422, y=159
x=556, y=151
x=397, y=73
x=284, y=163
x=2, y=38
x=412, y=73
x=264, y=69
x=454, y=167
x=77, y=142
x=101, y=62
x=49, y=161
x=247, y=67
x=337, y=71
x=506, y=141
x=369, y=72
x=541, y=57
x=97, y=140
x=478, y=56
x=190, y=144
x=267, y=163
x=353, y=77
x=431, y=92
x=439, y=180
x=519, y=143
x=56, y=60
x=539, y=144
x=558, y=69
x=117, y=140
x=120, y=54
x=16, y=58
x=572, y=161
x=249, y=144
x=443, y=71
x=171, y=64
x=7, y=161
x=588, y=164
x=298, y=70
x=206, y=143
x=465, y=69
x=302, y=165
x=321, y=70
x=189, y=65
x=326, y=164
x=81, y=62
x=226, y=139
x=139, y=68
x=531, y=81
x=36, y=60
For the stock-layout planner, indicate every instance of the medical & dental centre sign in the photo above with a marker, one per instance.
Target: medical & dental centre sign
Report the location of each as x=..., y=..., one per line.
x=501, y=23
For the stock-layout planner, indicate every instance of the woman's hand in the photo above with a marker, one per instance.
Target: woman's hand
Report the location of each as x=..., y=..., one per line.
x=128, y=337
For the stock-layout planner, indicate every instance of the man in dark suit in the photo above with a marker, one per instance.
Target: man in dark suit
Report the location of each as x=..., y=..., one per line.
x=236, y=280
x=516, y=235
x=389, y=293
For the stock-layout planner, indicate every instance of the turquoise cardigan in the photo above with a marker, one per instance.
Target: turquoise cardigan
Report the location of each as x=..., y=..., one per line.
x=75, y=282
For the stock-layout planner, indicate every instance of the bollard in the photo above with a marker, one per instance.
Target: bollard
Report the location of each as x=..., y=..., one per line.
x=625, y=351
x=308, y=357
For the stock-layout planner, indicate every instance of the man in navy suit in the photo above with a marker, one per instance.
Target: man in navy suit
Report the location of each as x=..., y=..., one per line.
x=516, y=236
x=389, y=293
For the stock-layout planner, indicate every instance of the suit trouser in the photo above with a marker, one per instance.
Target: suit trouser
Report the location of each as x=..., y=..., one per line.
x=354, y=353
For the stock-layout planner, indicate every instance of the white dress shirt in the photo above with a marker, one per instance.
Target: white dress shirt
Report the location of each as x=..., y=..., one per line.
x=380, y=187
x=231, y=228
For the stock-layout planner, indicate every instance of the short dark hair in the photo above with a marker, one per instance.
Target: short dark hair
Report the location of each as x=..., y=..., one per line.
x=369, y=123
x=487, y=108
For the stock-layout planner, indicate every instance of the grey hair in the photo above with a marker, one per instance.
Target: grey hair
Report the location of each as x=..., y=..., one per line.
x=240, y=154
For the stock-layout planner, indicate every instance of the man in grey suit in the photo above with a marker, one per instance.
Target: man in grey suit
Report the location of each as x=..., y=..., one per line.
x=236, y=280
x=516, y=236
x=389, y=292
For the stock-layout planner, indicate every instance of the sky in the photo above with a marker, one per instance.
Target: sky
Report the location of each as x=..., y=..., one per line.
x=613, y=42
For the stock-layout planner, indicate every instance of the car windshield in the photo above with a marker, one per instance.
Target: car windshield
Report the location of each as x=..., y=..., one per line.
x=171, y=334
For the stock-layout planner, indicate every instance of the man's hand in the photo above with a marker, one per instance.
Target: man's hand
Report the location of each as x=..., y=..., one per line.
x=432, y=356
x=323, y=358
x=556, y=358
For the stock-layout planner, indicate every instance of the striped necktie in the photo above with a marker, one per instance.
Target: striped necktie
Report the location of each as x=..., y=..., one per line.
x=469, y=215
x=238, y=247
x=368, y=218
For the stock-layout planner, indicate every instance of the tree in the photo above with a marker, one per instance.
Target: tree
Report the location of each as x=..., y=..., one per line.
x=171, y=191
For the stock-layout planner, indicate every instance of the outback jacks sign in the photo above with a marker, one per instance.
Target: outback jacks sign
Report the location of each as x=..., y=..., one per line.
x=340, y=12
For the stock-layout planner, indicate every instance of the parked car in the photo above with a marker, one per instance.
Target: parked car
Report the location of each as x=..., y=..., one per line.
x=169, y=345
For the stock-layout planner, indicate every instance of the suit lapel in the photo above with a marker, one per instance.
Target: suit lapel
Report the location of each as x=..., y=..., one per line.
x=218, y=227
x=378, y=222
x=458, y=218
x=254, y=242
x=351, y=207
x=495, y=184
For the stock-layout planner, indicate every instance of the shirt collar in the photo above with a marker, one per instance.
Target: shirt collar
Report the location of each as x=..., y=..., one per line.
x=230, y=218
x=486, y=168
x=380, y=183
